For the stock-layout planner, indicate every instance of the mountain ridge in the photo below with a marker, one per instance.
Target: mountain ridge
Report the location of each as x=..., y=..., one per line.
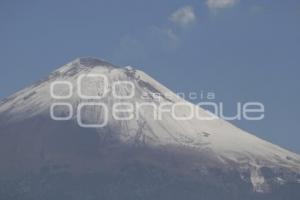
x=25, y=117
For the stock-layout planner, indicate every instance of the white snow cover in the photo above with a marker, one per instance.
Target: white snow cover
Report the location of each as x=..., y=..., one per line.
x=223, y=139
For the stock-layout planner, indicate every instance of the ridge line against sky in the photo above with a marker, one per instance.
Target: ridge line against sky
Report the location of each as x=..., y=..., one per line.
x=243, y=50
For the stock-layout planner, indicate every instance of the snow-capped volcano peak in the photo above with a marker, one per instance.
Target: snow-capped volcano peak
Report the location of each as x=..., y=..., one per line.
x=93, y=62
x=84, y=63
x=88, y=81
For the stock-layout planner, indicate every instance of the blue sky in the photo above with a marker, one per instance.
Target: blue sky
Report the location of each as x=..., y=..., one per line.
x=243, y=50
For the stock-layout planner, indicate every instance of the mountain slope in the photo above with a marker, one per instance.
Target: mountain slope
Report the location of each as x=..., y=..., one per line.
x=30, y=140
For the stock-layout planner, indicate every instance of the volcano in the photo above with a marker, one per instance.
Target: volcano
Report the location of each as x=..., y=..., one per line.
x=68, y=137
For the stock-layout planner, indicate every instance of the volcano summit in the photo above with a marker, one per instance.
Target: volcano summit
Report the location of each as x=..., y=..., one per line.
x=53, y=147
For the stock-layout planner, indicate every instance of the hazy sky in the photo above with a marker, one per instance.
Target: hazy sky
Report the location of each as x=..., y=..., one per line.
x=243, y=50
